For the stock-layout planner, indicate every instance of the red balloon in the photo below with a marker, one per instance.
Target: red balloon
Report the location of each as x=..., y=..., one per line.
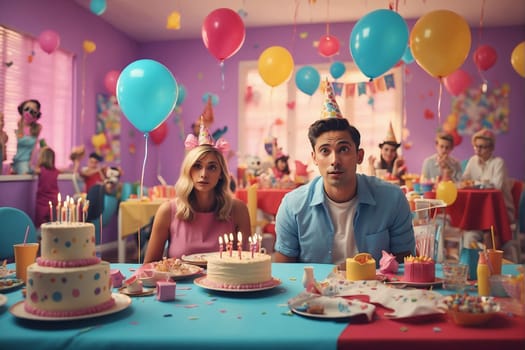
x=328, y=45
x=159, y=134
x=110, y=81
x=484, y=57
x=457, y=137
x=457, y=82
x=223, y=33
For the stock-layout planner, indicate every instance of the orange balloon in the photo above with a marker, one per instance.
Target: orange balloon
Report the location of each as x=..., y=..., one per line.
x=517, y=59
x=89, y=46
x=275, y=65
x=440, y=42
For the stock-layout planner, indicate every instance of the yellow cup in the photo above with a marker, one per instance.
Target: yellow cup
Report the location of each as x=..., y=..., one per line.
x=25, y=255
x=495, y=260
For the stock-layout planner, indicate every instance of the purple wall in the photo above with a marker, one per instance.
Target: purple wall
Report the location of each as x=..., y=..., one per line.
x=195, y=68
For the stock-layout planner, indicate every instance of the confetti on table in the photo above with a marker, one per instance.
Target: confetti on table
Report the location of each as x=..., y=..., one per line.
x=287, y=313
x=403, y=329
x=222, y=311
x=264, y=313
x=293, y=278
x=167, y=315
x=191, y=306
x=193, y=318
x=436, y=329
x=239, y=317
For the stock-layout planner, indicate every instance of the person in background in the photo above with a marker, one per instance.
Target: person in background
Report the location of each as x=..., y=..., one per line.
x=93, y=173
x=389, y=160
x=47, y=188
x=203, y=209
x=281, y=168
x=441, y=165
x=341, y=213
x=26, y=135
x=3, y=142
x=488, y=171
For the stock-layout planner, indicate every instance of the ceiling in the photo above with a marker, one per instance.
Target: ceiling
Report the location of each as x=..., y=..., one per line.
x=145, y=20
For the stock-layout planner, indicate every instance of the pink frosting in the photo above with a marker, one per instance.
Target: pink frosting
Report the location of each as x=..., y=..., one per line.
x=388, y=263
x=259, y=285
x=67, y=263
x=73, y=313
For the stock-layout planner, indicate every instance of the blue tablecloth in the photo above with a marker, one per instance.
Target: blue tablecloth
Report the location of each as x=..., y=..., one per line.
x=198, y=318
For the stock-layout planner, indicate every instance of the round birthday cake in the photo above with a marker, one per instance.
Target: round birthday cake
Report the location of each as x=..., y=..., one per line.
x=68, y=278
x=419, y=269
x=249, y=271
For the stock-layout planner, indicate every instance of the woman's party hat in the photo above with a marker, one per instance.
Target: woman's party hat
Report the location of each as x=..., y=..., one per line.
x=204, y=134
x=330, y=107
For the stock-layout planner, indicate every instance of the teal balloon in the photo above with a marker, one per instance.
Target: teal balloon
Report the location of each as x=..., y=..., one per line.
x=307, y=80
x=98, y=7
x=337, y=69
x=377, y=42
x=407, y=56
x=214, y=98
x=146, y=93
x=182, y=95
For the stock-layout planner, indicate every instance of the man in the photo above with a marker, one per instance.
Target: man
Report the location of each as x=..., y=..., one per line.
x=442, y=165
x=341, y=213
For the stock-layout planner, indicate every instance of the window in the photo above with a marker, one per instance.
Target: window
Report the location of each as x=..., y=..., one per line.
x=27, y=72
x=286, y=113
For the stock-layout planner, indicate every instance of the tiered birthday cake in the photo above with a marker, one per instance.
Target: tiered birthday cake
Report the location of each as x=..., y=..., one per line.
x=419, y=269
x=250, y=271
x=68, y=278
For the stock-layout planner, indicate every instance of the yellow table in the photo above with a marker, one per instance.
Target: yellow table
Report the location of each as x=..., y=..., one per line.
x=134, y=214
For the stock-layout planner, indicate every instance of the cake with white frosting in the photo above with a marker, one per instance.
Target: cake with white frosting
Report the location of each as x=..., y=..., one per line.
x=68, y=278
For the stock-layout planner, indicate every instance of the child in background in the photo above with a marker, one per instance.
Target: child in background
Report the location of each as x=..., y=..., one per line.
x=47, y=190
x=27, y=135
x=93, y=173
x=3, y=142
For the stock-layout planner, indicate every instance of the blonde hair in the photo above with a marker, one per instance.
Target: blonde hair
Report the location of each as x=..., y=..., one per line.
x=46, y=158
x=184, y=189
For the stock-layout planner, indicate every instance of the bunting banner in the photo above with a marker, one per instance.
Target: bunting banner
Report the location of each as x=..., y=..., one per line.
x=381, y=84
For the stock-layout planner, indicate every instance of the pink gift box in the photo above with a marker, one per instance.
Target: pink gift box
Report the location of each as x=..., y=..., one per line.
x=166, y=290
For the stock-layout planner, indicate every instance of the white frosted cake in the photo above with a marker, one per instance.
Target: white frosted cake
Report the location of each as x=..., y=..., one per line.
x=68, y=278
x=232, y=272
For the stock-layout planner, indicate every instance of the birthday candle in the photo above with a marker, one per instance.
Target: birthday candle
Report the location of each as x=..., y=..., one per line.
x=220, y=247
x=58, y=207
x=78, y=208
x=239, y=243
x=50, y=211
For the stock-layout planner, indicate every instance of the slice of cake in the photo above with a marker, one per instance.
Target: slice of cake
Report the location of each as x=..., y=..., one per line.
x=361, y=267
x=419, y=269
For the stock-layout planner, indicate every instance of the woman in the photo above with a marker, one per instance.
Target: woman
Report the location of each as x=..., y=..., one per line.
x=389, y=160
x=27, y=135
x=203, y=208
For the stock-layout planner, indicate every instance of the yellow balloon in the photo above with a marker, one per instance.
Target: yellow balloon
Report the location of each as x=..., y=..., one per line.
x=517, y=59
x=275, y=65
x=440, y=42
x=447, y=192
x=89, y=46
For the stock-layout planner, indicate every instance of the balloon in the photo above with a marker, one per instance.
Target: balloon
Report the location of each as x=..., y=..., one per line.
x=484, y=57
x=110, y=81
x=159, y=133
x=146, y=93
x=275, y=65
x=208, y=95
x=328, y=45
x=98, y=7
x=457, y=82
x=223, y=33
x=447, y=192
x=517, y=59
x=440, y=42
x=377, y=42
x=307, y=79
x=407, y=56
x=49, y=40
x=89, y=46
x=182, y=95
x=337, y=69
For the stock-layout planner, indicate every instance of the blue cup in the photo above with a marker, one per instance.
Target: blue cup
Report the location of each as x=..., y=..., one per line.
x=470, y=257
x=417, y=187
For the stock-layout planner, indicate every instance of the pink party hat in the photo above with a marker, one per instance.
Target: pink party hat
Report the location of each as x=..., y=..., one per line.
x=207, y=113
x=204, y=135
x=330, y=107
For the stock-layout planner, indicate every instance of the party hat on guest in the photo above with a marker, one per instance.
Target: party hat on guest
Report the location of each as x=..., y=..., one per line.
x=390, y=138
x=207, y=113
x=204, y=135
x=330, y=107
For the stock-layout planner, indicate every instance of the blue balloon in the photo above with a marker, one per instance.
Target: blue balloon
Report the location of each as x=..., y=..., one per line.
x=307, y=79
x=407, y=56
x=337, y=69
x=98, y=7
x=146, y=93
x=182, y=95
x=377, y=42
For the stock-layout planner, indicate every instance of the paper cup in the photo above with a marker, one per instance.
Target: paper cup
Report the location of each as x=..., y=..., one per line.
x=495, y=260
x=25, y=255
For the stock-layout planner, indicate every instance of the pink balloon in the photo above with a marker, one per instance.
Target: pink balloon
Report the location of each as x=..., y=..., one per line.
x=49, y=40
x=159, y=133
x=457, y=82
x=484, y=57
x=110, y=81
x=223, y=33
x=328, y=45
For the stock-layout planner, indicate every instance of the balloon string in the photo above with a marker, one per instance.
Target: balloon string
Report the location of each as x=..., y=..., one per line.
x=221, y=65
x=328, y=17
x=439, y=99
x=483, y=79
x=403, y=74
x=144, y=164
x=83, y=100
x=294, y=32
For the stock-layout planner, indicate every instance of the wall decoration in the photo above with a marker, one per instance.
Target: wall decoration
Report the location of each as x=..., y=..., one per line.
x=477, y=110
x=108, y=124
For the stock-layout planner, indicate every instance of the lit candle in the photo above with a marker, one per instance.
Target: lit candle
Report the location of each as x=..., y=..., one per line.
x=220, y=247
x=78, y=208
x=85, y=208
x=239, y=244
x=73, y=210
x=58, y=207
x=259, y=238
x=251, y=245
x=50, y=211
x=230, y=244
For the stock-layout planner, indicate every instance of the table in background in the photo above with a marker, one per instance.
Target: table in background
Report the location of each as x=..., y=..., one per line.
x=268, y=199
x=476, y=209
x=203, y=319
x=134, y=214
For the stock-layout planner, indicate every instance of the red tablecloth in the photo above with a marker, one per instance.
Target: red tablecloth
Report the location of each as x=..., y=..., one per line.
x=268, y=199
x=502, y=332
x=479, y=209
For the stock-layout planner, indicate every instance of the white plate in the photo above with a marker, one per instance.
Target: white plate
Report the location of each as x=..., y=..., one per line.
x=3, y=300
x=16, y=283
x=437, y=283
x=143, y=293
x=4, y=273
x=333, y=307
x=196, y=259
x=192, y=270
x=121, y=302
x=201, y=282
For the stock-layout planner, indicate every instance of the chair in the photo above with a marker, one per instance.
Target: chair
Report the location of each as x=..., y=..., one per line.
x=513, y=249
x=12, y=231
x=102, y=207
